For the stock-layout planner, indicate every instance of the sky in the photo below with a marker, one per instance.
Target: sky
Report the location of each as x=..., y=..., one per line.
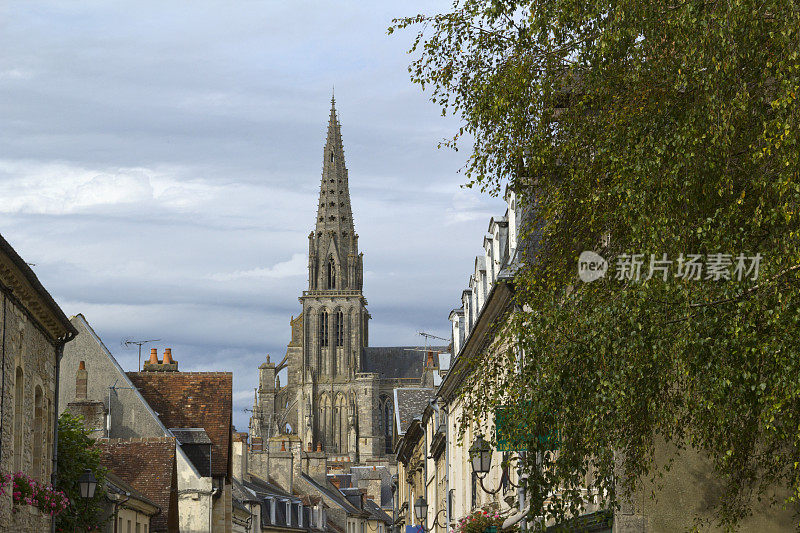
x=160, y=166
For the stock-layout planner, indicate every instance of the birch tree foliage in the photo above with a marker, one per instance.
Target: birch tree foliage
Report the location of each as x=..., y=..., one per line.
x=667, y=129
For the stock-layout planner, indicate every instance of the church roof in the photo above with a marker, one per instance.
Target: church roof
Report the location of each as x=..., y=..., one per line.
x=398, y=362
x=193, y=400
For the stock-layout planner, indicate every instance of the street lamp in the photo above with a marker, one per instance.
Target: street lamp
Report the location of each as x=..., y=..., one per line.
x=481, y=455
x=88, y=484
x=421, y=509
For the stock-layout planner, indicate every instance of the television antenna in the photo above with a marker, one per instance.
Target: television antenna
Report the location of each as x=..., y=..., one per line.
x=130, y=342
x=430, y=336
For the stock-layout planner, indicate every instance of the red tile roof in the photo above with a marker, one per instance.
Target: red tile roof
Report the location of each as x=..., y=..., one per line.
x=148, y=465
x=194, y=400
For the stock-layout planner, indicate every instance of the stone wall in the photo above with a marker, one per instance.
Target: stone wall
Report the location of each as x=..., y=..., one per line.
x=26, y=348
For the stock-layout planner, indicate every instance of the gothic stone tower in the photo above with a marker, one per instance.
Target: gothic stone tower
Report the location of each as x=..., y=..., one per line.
x=335, y=319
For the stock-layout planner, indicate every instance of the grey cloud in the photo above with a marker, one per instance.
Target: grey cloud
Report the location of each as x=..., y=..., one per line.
x=161, y=164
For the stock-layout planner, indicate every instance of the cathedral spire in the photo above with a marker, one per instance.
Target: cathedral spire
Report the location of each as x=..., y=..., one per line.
x=334, y=211
x=334, y=262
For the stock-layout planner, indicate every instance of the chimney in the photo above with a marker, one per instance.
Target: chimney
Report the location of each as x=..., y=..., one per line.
x=239, y=453
x=430, y=368
x=283, y=465
x=370, y=482
x=81, y=381
x=154, y=365
x=315, y=465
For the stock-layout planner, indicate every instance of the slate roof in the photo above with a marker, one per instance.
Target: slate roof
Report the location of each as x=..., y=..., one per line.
x=148, y=465
x=191, y=435
x=392, y=362
x=376, y=512
x=409, y=403
x=260, y=486
x=193, y=400
x=334, y=494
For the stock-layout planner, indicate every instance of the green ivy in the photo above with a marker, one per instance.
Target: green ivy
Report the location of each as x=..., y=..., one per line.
x=76, y=453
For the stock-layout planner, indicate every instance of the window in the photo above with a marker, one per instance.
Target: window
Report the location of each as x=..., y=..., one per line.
x=331, y=273
x=386, y=421
x=18, y=418
x=38, y=426
x=129, y=526
x=339, y=328
x=331, y=157
x=138, y=528
x=323, y=328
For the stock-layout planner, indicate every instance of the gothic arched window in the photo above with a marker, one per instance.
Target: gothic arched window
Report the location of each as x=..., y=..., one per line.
x=331, y=156
x=331, y=273
x=385, y=414
x=339, y=328
x=323, y=328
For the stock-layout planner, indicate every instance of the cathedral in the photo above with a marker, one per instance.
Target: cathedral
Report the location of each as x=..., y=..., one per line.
x=341, y=394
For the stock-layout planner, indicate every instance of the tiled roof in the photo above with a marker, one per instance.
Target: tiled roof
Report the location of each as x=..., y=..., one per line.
x=409, y=403
x=116, y=485
x=393, y=362
x=148, y=465
x=193, y=400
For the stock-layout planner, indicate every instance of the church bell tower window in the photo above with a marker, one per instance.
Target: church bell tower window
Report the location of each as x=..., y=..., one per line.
x=323, y=329
x=339, y=328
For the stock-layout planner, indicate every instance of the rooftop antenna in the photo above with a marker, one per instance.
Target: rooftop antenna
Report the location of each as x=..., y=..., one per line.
x=129, y=342
x=430, y=336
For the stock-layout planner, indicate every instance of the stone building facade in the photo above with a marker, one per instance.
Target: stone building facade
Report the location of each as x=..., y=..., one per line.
x=33, y=332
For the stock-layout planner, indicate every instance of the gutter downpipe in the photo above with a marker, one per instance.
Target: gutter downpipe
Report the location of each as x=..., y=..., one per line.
x=59, y=354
